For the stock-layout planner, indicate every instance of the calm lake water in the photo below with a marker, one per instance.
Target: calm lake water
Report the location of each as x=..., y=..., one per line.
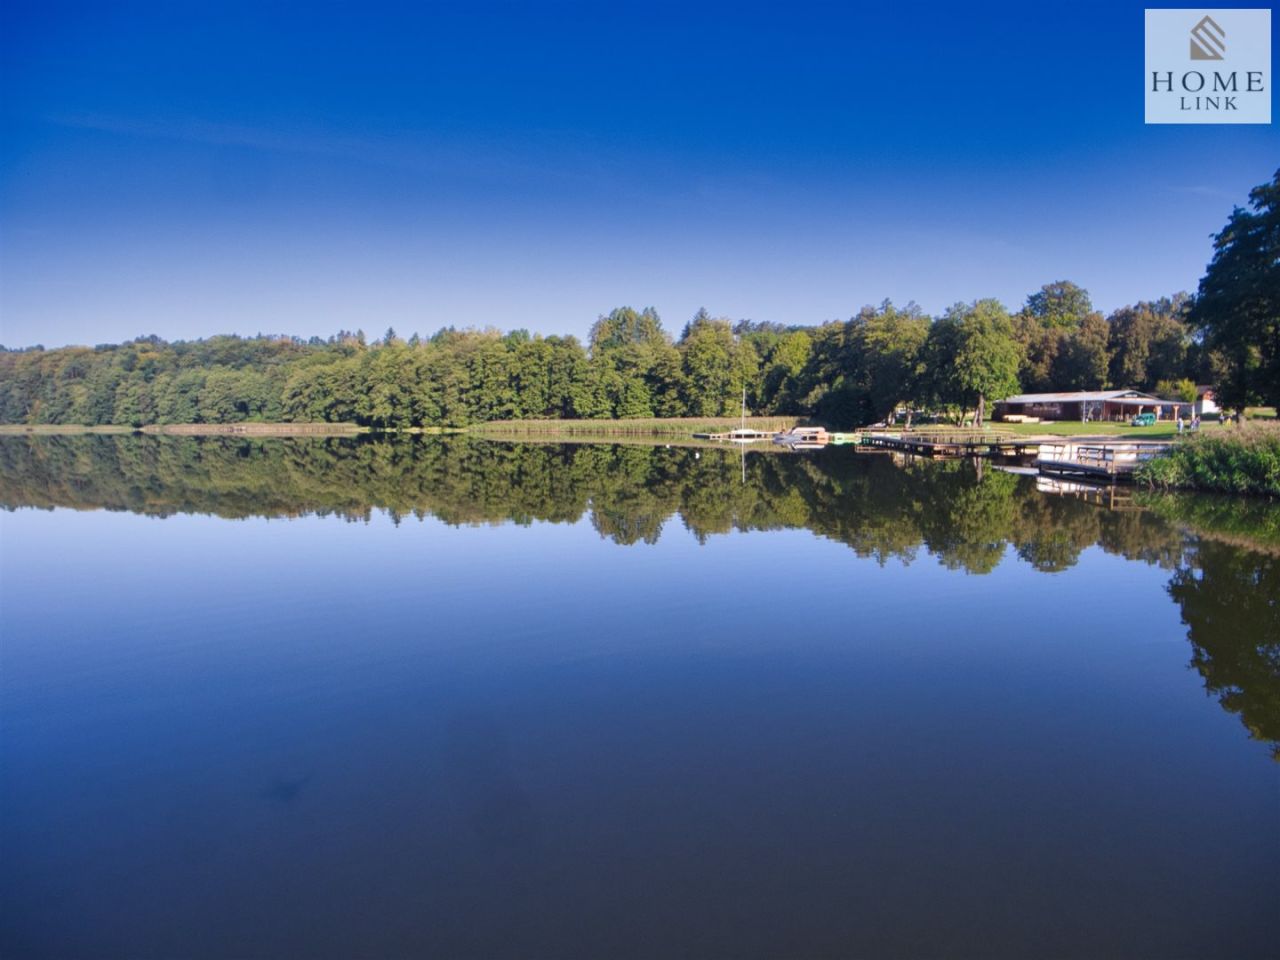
x=354, y=698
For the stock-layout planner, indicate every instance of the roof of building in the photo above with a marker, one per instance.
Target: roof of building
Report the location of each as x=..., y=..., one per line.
x=1146, y=401
x=1075, y=396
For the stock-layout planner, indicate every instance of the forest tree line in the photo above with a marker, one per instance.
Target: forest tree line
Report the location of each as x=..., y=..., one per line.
x=850, y=372
x=847, y=373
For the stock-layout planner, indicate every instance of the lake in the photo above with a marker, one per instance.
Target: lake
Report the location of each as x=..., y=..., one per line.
x=457, y=698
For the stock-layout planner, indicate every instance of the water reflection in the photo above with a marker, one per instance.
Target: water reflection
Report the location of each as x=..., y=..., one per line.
x=1222, y=555
x=1230, y=602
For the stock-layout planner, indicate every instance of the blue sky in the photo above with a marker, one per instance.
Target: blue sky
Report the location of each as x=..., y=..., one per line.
x=301, y=169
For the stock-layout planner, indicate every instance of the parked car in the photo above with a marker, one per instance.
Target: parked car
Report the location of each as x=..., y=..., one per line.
x=1143, y=420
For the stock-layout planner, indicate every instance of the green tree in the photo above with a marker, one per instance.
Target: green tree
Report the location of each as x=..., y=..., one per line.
x=888, y=345
x=1059, y=304
x=831, y=389
x=1237, y=306
x=1044, y=328
x=1184, y=390
x=626, y=327
x=972, y=357
x=1085, y=360
x=1149, y=341
x=711, y=381
x=781, y=379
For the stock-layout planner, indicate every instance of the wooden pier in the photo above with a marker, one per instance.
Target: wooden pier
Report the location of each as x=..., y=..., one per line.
x=943, y=444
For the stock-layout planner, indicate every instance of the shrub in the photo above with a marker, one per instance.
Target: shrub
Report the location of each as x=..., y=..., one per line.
x=1231, y=460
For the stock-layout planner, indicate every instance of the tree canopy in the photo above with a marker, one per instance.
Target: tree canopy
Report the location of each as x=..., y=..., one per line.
x=973, y=356
x=1237, y=306
x=846, y=372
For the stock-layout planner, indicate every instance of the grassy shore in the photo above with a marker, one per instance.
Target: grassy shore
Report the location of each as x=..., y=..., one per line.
x=1242, y=459
x=56, y=429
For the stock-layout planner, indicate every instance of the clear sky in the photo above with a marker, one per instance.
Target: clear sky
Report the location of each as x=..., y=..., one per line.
x=187, y=169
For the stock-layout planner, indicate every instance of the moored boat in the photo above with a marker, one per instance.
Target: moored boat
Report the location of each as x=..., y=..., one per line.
x=809, y=436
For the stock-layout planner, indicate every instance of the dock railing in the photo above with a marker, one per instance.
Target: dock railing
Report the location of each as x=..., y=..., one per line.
x=959, y=435
x=1096, y=457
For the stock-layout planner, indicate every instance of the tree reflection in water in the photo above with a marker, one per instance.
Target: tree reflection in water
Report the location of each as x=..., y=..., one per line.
x=1223, y=555
x=1230, y=602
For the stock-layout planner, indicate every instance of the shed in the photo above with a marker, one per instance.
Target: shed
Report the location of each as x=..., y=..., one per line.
x=1206, y=402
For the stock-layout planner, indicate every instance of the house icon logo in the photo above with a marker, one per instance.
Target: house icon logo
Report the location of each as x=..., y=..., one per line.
x=1206, y=84
x=1208, y=40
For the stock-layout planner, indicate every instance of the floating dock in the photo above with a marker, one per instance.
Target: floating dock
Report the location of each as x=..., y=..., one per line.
x=1087, y=459
x=1106, y=461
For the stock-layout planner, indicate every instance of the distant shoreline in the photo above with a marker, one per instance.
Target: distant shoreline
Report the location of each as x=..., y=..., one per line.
x=191, y=429
x=682, y=427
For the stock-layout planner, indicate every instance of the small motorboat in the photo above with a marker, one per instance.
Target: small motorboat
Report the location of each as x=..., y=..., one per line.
x=803, y=438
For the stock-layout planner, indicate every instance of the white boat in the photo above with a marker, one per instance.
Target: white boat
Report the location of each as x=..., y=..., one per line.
x=742, y=434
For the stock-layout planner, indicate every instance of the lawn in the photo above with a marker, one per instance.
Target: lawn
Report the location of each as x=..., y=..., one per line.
x=1161, y=431
x=1066, y=428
